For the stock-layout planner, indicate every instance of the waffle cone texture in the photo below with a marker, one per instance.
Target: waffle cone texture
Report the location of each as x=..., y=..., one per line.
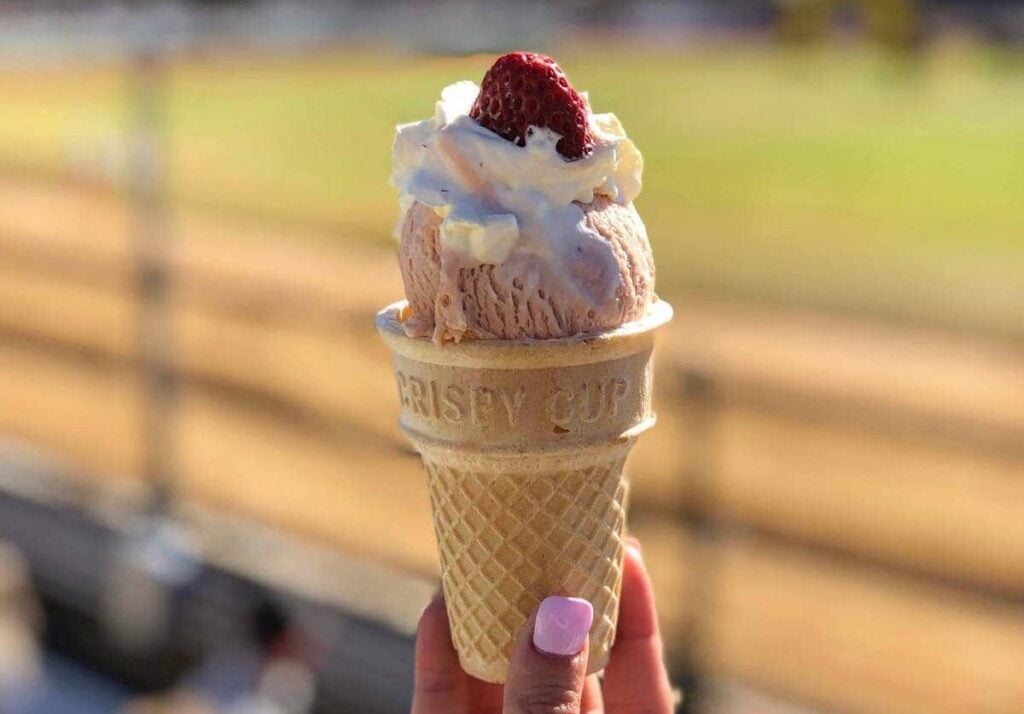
x=523, y=443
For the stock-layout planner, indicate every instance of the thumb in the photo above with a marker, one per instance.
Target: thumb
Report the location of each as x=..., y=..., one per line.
x=549, y=661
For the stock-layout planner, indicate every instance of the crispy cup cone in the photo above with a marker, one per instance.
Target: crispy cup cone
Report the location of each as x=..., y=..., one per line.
x=523, y=444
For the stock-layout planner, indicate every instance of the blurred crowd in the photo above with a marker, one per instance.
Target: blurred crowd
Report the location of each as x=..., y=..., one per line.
x=108, y=28
x=21, y=671
x=270, y=673
x=267, y=671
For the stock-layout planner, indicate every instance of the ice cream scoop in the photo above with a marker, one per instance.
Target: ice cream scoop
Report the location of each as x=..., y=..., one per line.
x=526, y=296
x=511, y=229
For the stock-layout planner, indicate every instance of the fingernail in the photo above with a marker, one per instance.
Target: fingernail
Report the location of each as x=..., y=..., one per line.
x=634, y=545
x=562, y=625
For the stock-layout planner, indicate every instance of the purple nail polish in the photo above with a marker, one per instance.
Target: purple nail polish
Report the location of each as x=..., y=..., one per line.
x=562, y=626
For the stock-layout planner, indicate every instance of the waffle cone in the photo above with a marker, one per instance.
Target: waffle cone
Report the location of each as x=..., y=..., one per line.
x=524, y=443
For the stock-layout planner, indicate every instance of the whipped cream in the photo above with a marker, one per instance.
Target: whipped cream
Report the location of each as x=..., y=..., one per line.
x=498, y=199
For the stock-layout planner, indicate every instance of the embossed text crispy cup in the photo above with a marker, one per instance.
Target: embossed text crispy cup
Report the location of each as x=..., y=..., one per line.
x=523, y=442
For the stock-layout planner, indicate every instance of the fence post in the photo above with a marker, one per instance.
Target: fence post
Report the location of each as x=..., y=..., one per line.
x=700, y=400
x=148, y=191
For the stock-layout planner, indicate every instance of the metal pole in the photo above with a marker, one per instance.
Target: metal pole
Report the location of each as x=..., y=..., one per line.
x=153, y=245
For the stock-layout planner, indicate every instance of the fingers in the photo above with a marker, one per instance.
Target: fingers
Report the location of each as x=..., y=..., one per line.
x=440, y=684
x=484, y=697
x=548, y=668
x=592, y=701
x=635, y=680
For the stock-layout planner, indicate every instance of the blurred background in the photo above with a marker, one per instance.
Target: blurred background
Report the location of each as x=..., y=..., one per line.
x=205, y=503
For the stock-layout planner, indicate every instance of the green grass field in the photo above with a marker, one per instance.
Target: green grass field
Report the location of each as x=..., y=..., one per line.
x=830, y=177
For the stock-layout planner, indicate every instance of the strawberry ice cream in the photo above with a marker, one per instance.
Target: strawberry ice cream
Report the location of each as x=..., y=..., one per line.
x=517, y=215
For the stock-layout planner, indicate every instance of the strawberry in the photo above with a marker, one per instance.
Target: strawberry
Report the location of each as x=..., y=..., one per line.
x=523, y=89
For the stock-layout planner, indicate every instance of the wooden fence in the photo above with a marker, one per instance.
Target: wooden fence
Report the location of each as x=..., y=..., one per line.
x=833, y=510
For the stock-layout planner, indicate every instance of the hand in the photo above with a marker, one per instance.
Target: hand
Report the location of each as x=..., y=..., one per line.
x=635, y=681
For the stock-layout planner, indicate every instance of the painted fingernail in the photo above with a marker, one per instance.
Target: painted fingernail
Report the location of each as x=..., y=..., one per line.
x=562, y=625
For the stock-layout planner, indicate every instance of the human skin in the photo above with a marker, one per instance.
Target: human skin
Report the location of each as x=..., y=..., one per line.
x=635, y=680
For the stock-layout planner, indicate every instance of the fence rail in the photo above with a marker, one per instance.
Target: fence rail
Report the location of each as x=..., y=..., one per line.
x=831, y=509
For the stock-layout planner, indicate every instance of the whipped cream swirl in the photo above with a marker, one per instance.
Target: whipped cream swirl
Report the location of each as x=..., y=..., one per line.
x=498, y=199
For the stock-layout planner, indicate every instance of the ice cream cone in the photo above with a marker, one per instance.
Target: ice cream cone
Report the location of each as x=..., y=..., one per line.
x=523, y=444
